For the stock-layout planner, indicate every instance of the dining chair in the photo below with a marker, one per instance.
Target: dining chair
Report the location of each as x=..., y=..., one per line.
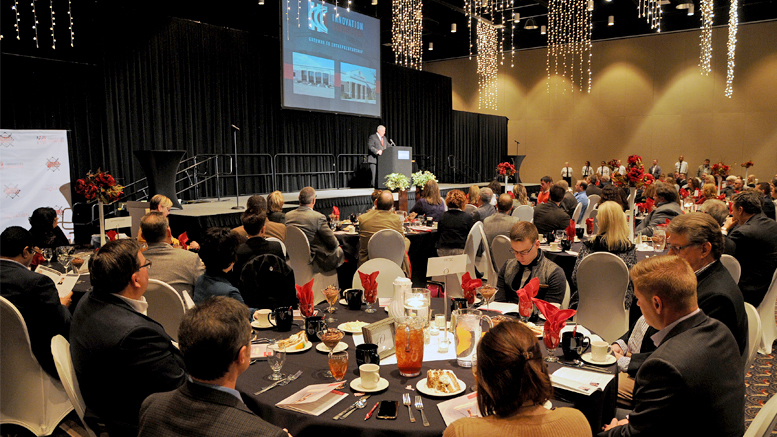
x=302, y=263
x=567, y=296
x=60, y=350
x=388, y=244
x=576, y=214
x=732, y=265
x=471, y=246
x=486, y=264
x=766, y=311
x=602, y=281
x=593, y=215
x=764, y=421
x=388, y=271
x=165, y=306
x=501, y=250
x=283, y=246
x=525, y=213
x=31, y=398
x=754, y=333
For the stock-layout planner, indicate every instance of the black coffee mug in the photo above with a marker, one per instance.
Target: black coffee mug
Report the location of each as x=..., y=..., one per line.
x=574, y=346
x=430, y=221
x=458, y=303
x=282, y=318
x=354, y=298
x=566, y=244
x=580, y=231
x=550, y=237
x=367, y=353
x=313, y=324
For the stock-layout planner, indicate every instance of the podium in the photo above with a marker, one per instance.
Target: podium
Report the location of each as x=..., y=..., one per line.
x=160, y=167
x=394, y=160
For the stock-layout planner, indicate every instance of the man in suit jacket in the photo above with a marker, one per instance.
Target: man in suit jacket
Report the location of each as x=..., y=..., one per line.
x=502, y=222
x=755, y=237
x=34, y=295
x=666, y=208
x=592, y=188
x=178, y=268
x=569, y=202
x=693, y=383
x=655, y=169
x=549, y=216
x=376, y=220
x=376, y=144
x=485, y=208
x=324, y=248
x=120, y=355
x=768, y=205
x=215, y=339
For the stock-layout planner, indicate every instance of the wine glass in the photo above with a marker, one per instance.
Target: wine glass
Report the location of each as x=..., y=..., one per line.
x=338, y=364
x=370, y=299
x=276, y=356
x=48, y=254
x=487, y=292
x=63, y=256
x=551, y=338
x=330, y=337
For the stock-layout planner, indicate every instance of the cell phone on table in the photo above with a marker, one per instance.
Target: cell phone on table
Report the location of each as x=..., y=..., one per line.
x=388, y=410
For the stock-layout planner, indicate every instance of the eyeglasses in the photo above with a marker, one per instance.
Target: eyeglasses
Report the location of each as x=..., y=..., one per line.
x=523, y=252
x=146, y=265
x=677, y=249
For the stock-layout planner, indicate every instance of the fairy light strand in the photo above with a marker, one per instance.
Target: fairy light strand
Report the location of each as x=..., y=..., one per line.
x=70, y=18
x=569, y=43
x=651, y=11
x=35, y=24
x=707, y=16
x=407, y=33
x=487, y=45
x=53, y=24
x=733, y=26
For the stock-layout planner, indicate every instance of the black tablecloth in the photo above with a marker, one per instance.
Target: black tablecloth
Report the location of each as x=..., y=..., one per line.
x=599, y=408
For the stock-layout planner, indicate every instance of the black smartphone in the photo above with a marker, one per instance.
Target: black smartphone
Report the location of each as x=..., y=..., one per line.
x=388, y=410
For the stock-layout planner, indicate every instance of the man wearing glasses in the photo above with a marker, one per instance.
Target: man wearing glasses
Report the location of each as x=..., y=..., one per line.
x=529, y=263
x=120, y=355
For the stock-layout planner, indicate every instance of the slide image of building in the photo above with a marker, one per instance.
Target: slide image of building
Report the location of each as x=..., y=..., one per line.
x=357, y=83
x=313, y=76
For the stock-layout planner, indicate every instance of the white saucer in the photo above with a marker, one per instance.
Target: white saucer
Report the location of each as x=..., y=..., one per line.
x=421, y=386
x=356, y=384
x=610, y=359
x=350, y=331
x=321, y=347
x=255, y=324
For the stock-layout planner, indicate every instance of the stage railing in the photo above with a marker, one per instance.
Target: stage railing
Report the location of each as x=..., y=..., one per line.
x=355, y=159
x=324, y=166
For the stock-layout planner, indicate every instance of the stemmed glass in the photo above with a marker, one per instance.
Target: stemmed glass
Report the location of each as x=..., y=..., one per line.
x=338, y=364
x=276, y=356
x=551, y=338
x=370, y=299
x=48, y=254
x=63, y=256
x=331, y=294
x=330, y=337
x=487, y=292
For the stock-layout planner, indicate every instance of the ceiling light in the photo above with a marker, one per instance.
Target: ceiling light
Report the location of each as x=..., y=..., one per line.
x=611, y=20
x=590, y=5
x=261, y=2
x=516, y=16
x=543, y=30
x=530, y=25
x=453, y=27
x=663, y=2
x=685, y=4
x=690, y=10
x=374, y=2
x=431, y=46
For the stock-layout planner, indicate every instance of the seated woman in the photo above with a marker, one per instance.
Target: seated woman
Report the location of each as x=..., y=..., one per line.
x=454, y=225
x=430, y=204
x=512, y=387
x=275, y=208
x=519, y=196
x=708, y=192
x=162, y=203
x=45, y=230
x=616, y=194
x=496, y=189
x=473, y=196
x=613, y=237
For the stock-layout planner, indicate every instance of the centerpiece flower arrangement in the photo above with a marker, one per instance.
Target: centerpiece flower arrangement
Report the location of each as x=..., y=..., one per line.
x=635, y=173
x=720, y=169
x=397, y=181
x=747, y=164
x=613, y=165
x=101, y=185
x=420, y=178
x=505, y=169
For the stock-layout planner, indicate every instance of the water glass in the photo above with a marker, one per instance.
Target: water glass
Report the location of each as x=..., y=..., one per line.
x=48, y=254
x=659, y=240
x=276, y=357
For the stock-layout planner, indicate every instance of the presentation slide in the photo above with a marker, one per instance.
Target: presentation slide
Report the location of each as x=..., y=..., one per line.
x=331, y=60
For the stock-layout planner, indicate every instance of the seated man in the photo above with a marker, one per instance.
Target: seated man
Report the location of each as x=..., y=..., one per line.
x=592, y=188
x=529, y=263
x=33, y=294
x=215, y=339
x=693, y=383
x=728, y=189
x=569, y=202
x=178, y=268
x=485, y=208
x=378, y=219
x=549, y=216
x=325, y=250
x=582, y=198
x=256, y=245
x=502, y=222
x=768, y=206
x=255, y=205
x=666, y=208
x=119, y=354
x=755, y=237
x=544, y=195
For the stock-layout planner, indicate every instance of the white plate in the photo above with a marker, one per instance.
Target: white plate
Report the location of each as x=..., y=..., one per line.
x=343, y=302
x=610, y=359
x=356, y=384
x=421, y=386
x=294, y=351
x=352, y=331
x=255, y=324
x=321, y=347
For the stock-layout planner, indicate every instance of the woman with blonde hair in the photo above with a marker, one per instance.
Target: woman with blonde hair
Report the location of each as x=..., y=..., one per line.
x=275, y=208
x=474, y=195
x=708, y=192
x=519, y=195
x=163, y=204
x=512, y=387
x=430, y=204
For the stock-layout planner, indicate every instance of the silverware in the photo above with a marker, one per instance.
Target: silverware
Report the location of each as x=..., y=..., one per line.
x=406, y=402
x=341, y=415
x=281, y=382
x=291, y=378
x=581, y=365
x=359, y=405
x=419, y=404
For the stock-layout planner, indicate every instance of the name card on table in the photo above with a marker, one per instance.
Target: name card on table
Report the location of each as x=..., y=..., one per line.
x=444, y=265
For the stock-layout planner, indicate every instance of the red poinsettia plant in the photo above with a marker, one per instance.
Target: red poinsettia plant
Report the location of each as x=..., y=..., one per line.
x=505, y=169
x=747, y=164
x=635, y=173
x=720, y=169
x=100, y=184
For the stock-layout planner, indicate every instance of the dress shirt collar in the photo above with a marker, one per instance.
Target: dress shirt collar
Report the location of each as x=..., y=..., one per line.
x=233, y=392
x=701, y=270
x=140, y=306
x=659, y=336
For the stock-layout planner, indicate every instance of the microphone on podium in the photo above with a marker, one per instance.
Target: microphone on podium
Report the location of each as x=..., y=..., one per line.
x=392, y=142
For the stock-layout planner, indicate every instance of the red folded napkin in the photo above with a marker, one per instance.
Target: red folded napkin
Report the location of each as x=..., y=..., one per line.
x=336, y=211
x=571, y=231
x=526, y=296
x=370, y=284
x=305, y=296
x=649, y=203
x=37, y=260
x=183, y=239
x=469, y=286
x=111, y=235
x=683, y=193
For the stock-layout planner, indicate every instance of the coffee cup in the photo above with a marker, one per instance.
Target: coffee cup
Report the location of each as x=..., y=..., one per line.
x=566, y=244
x=458, y=303
x=367, y=353
x=550, y=237
x=574, y=344
x=555, y=246
x=282, y=318
x=313, y=324
x=370, y=375
x=262, y=317
x=354, y=298
x=599, y=350
x=579, y=232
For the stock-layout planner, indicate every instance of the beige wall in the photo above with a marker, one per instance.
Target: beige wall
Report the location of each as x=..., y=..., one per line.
x=648, y=98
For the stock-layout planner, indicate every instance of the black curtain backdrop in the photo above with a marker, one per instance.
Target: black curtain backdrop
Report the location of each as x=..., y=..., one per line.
x=178, y=84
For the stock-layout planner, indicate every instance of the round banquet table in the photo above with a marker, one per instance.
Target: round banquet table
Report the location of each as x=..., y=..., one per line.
x=599, y=407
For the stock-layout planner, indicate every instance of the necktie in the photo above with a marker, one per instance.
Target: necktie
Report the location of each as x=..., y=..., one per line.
x=381, y=141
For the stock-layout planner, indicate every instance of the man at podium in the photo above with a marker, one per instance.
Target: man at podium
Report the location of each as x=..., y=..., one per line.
x=376, y=144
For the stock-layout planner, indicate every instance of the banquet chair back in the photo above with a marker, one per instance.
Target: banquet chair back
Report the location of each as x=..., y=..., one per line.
x=301, y=263
x=576, y=214
x=766, y=311
x=593, y=201
x=567, y=296
x=31, y=397
x=765, y=420
x=525, y=213
x=388, y=244
x=165, y=306
x=283, y=246
x=472, y=245
x=753, y=336
x=470, y=208
x=388, y=271
x=60, y=350
x=602, y=280
x=501, y=250
x=267, y=281
x=593, y=215
x=487, y=261
x=732, y=265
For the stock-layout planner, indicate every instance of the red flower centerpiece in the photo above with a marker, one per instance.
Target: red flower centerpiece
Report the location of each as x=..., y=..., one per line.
x=100, y=184
x=747, y=164
x=635, y=174
x=720, y=169
x=505, y=169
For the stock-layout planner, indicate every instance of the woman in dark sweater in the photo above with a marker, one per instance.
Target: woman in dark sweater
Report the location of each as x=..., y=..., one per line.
x=44, y=229
x=430, y=204
x=454, y=225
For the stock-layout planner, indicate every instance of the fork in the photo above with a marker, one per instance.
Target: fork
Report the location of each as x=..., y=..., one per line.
x=406, y=401
x=419, y=404
x=291, y=378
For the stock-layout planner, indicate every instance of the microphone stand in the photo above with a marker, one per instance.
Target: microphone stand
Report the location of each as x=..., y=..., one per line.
x=237, y=181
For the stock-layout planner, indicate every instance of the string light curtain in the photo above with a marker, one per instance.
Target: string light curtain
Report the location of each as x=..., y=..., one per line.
x=487, y=51
x=707, y=15
x=52, y=19
x=651, y=11
x=406, y=31
x=569, y=42
x=733, y=25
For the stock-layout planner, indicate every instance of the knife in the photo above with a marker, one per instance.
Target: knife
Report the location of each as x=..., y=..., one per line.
x=351, y=407
x=274, y=384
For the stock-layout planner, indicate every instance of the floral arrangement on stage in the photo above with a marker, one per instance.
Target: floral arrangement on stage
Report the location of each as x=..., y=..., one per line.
x=613, y=164
x=720, y=169
x=505, y=169
x=747, y=164
x=397, y=181
x=101, y=185
x=420, y=178
x=635, y=173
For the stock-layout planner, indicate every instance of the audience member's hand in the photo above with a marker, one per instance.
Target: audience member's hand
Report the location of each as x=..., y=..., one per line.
x=730, y=223
x=194, y=245
x=616, y=349
x=380, y=152
x=66, y=300
x=287, y=432
x=614, y=423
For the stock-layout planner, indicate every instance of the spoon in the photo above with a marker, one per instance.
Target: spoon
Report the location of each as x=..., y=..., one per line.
x=359, y=405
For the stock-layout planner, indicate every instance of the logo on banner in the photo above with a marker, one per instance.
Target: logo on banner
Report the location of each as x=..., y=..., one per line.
x=53, y=164
x=60, y=210
x=12, y=191
x=316, y=14
x=6, y=139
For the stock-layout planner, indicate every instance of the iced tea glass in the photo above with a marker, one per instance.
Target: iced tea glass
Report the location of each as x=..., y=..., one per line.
x=409, y=344
x=338, y=364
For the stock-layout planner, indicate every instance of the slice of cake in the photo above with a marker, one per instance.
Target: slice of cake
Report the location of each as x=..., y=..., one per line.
x=295, y=342
x=443, y=381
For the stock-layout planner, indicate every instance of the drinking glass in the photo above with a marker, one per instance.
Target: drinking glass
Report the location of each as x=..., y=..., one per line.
x=276, y=357
x=331, y=294
x=338, y=364
x=409, y=343
x=63, y=256
x=551, y=338
x=659, y=240
x=48, y=254
x=487, y=292
x=331, y=337
x=560, y=234
x=370, y=298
